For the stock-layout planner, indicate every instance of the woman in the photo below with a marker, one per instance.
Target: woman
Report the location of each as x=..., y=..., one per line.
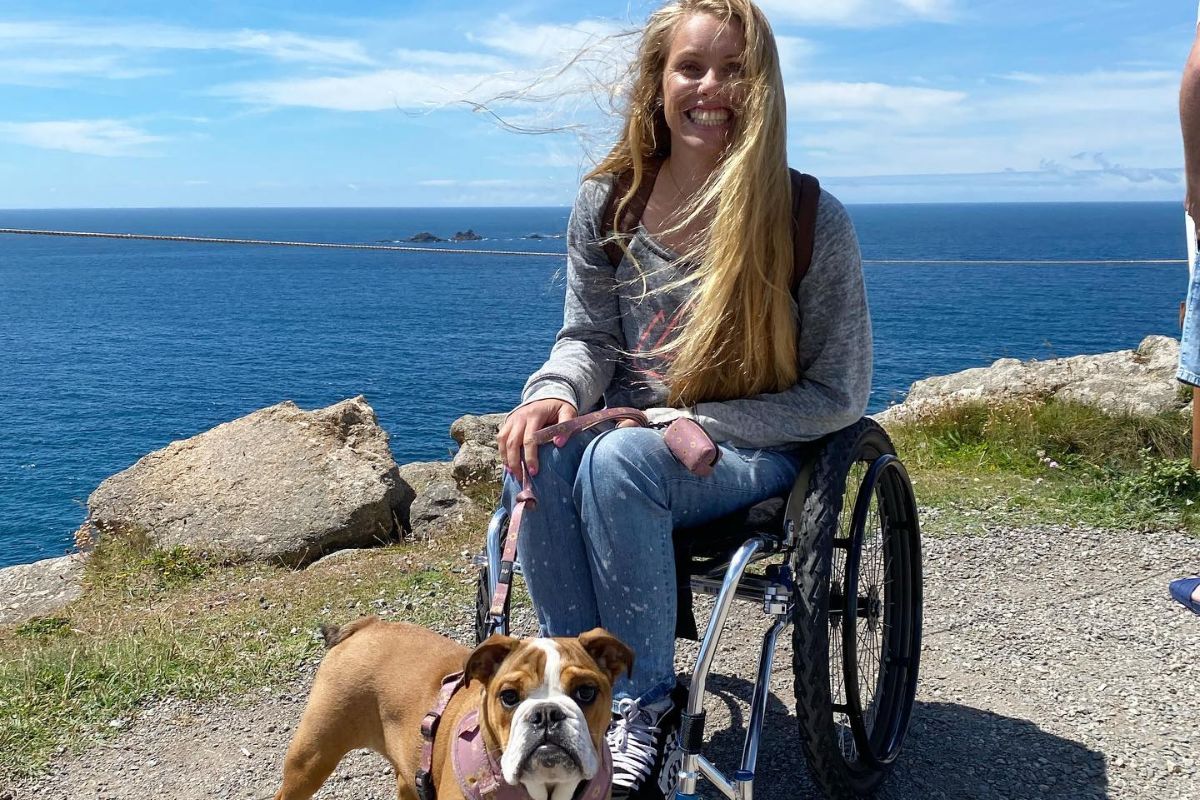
x=697, y=320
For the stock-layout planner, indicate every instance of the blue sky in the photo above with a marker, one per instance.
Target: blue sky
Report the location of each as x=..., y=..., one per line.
x=303, y=103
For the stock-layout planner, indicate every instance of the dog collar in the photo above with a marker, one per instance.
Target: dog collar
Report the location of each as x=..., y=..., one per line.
x=479, y=776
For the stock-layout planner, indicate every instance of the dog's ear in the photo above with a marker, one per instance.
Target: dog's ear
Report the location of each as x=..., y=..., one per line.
x=610, y=653
x=482, y=664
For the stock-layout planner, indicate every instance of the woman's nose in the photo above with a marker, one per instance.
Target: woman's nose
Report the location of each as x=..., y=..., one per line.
x=710, y=82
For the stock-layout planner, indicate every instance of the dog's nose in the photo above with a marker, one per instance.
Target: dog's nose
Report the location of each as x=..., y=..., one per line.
x=547, y=716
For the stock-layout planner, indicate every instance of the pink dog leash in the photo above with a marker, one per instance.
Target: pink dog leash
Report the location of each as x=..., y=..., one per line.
x=559, y=434
x=687, y=440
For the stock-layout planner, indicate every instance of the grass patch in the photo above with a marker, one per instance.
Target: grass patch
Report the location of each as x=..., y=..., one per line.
x=1050, y=462
x=176, y=623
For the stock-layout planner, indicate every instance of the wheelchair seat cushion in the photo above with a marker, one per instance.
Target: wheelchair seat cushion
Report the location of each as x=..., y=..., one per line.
x=701, y=549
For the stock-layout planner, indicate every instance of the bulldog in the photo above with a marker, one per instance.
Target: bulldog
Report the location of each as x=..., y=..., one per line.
x=540, y=708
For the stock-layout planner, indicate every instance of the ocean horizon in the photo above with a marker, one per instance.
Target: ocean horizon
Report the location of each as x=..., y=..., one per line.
x=110, y=349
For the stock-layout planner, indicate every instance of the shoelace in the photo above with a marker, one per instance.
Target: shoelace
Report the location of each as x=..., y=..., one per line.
x=631, y=738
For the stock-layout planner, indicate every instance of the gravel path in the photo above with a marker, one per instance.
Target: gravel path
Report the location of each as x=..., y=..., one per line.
x=1054, y=666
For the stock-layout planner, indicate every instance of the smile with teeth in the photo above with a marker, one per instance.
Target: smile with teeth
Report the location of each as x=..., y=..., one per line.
x=709, y=117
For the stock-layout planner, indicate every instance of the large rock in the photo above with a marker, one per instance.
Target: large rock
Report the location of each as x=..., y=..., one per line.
x=1140, y=381
x=280, y=485
x=480, y=429
x=477, y=460
x=40, y=588
x=440, y=506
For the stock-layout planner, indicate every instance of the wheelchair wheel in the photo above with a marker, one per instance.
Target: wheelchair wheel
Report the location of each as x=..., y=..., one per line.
x=857, y=629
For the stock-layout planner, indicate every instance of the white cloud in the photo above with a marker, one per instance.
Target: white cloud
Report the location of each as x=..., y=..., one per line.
x=1048, y=124
x=383, y=90
x=857, y=13
x=453, y=60
x=40, y=71
x=795, y=53
x=73, y=36
x=830, y=101
x=98, y=137
x=552, y=42
x=1111, y=94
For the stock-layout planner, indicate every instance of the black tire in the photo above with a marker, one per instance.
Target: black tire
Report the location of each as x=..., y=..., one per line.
x=853, y=709
x=483, y=603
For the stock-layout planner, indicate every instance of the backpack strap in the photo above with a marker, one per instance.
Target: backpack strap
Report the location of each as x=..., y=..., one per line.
x=633, y=210
x=806, y=195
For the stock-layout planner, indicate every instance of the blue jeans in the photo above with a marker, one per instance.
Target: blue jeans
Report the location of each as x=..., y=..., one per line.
x=596, y=550
x=1189, y=343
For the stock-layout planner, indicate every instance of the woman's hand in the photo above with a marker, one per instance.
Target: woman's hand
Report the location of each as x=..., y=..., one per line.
x=519, y=427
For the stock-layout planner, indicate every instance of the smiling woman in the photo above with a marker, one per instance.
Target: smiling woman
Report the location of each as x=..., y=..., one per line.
x=690, y=308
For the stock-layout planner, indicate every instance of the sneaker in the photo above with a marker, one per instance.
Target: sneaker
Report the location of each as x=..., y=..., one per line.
x=636, y=739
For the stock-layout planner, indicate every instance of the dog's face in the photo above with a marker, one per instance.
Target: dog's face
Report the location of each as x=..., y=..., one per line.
x=547, y=703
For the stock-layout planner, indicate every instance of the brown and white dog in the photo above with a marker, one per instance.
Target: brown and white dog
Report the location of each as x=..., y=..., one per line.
x=542, y=704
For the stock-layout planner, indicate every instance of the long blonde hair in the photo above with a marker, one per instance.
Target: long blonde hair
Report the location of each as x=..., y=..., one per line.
x=739, y=338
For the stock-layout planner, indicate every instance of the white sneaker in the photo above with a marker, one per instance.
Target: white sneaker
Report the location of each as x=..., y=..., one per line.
x=635, y=738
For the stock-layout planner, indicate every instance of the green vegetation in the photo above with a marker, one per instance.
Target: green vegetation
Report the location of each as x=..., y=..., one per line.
x=171, y=623
x=1015, y=462
x=155, y=623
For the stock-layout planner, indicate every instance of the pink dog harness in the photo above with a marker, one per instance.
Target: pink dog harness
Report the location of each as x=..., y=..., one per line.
x=475, y=767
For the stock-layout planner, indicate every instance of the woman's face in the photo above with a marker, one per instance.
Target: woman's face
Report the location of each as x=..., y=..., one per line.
x=700, y=99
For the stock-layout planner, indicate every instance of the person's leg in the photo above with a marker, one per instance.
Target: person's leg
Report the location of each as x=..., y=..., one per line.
x=553, y=556
x=631, y=493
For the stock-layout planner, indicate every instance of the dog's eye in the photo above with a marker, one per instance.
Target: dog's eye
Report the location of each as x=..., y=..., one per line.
x=585, y=695
x=510, y=698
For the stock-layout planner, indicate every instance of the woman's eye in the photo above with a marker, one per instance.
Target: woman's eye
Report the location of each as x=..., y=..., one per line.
x=733, y=70
x=509, y=698
x=585, y=695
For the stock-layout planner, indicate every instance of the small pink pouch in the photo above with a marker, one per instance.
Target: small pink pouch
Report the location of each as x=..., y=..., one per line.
x=692, y=446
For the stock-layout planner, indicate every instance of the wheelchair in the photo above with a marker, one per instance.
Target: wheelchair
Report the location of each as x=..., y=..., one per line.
x=839, y=559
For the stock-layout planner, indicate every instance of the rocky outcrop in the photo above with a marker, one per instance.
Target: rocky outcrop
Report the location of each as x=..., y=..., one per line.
x=466, y=236
x=40, y=588
x=425, y=236
x=1140, y=381
x=477, y=459
x=279, y=485
x=440, y=504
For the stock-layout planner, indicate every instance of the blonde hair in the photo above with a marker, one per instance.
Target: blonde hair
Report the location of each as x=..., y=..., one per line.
x=739, y=338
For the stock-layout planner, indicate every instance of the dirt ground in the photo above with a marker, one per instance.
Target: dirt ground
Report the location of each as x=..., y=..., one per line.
x=1054, y=665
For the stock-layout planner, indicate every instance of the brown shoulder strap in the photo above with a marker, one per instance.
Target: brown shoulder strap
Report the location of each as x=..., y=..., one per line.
x=806, y=195
x=633, y=211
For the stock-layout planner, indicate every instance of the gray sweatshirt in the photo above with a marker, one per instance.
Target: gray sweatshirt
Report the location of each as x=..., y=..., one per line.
x=607, y=317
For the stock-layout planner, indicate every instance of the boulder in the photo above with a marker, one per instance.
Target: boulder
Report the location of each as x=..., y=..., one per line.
x=477, y=460
x=279, y=485
x=439, y=505
x=40, y=588
x=1140, y=382
x=477, y=463
x=480, y=429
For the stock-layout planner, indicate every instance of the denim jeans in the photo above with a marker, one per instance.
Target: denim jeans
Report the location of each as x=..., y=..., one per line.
x=596, y=550
x=1189, y=343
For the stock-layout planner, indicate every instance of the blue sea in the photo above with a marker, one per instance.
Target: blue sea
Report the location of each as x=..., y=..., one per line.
x=112, y=349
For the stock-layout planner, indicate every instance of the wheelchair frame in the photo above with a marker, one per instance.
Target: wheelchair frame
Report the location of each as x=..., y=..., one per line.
x=818, y=585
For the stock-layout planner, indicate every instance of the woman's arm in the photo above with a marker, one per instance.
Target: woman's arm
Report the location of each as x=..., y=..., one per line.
x=583, y=358
x=834, y=353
